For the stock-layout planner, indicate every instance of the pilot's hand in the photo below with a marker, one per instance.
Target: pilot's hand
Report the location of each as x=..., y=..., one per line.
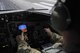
x=49, y=32
x=18, y=38
x=21, y=38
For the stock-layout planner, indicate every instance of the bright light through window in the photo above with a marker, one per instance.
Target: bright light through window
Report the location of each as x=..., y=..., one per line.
x=51, y=0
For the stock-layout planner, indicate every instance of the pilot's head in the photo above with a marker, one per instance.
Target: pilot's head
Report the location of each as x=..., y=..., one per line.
x=68, y=26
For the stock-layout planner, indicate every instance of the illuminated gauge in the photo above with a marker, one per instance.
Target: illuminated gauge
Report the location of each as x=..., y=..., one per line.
x=2, y=18
x=21, y=27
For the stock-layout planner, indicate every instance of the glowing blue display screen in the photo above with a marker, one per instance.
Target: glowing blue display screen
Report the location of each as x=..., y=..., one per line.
x=21, y=27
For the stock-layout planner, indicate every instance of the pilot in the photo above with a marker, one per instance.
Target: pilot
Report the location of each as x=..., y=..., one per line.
x=23, y=46
x=68, y=26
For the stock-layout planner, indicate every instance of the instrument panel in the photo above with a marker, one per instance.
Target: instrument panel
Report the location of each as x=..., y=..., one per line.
x=9, y=23
x=29, y=18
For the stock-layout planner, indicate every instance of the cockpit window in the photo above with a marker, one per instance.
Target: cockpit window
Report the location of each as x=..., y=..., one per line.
x=27, y=4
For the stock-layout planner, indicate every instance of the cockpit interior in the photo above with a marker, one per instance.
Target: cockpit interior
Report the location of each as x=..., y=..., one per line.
x=61, y=21
x=35, y=22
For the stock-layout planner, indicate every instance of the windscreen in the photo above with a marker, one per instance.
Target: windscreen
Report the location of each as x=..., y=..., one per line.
x=27, y=4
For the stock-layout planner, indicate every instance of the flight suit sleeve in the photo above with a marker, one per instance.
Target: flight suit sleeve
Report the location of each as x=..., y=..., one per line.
x=23, y=47
x=55, y=38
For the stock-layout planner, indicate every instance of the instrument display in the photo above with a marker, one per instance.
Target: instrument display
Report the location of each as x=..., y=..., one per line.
x=21, y=27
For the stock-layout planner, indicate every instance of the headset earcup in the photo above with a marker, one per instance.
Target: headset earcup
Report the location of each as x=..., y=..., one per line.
x=60, y=18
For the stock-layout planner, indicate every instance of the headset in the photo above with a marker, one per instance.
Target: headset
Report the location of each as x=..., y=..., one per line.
x=60, y=17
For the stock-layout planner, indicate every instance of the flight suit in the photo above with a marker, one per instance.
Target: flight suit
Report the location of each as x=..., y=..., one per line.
x=57, y=40
x=23, y=46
